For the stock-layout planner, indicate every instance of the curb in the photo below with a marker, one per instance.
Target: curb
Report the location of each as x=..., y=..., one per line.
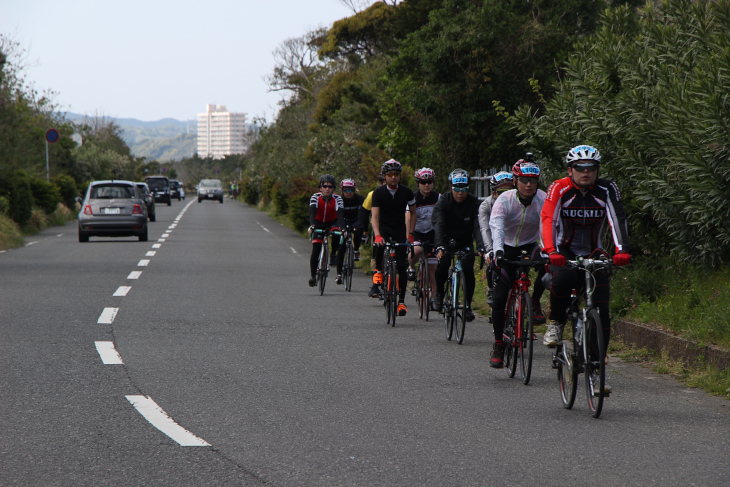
x=642, y=336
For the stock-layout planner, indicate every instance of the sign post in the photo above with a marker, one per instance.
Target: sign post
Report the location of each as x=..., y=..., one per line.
x=52, y=137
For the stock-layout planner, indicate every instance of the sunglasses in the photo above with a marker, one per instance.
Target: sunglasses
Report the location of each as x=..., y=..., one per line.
x=525, y=180
x=460, y=190
x=426, y=181
x=348, y=190
x=327, y=186
x=585, y=168
x=392, y=174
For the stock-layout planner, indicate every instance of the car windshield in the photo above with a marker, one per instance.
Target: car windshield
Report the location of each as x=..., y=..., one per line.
x=210, y=183
x=111, y=191
x=142, y=188
x=156, y=184
x=174, y=184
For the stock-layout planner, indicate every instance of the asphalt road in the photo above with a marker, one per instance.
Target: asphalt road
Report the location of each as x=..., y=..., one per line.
x=251, y=378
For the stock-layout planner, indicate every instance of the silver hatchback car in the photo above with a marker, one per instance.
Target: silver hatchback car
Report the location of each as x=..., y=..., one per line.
x=210, y=189
x=113, y=209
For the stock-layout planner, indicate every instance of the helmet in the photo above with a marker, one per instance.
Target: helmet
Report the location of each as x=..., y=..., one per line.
x=347, y=183
x=525, y=169
x=459, y=178
x=424, y=173
x=391, y=166
x=327, y=178
x=583, y=152
x=502, y=178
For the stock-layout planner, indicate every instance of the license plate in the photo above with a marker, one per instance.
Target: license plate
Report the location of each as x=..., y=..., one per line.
x=111, y=211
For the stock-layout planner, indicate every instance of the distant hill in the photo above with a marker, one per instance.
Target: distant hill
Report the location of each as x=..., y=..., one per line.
x=162, y=140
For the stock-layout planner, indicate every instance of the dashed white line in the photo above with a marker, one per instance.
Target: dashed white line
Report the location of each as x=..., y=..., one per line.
x=165, y=235
x=150, y=253
x=156, y=246
x=122, y=291
x=31, y=243
x=293, y=251
x=160, y=420
x=143, y=263
x=160, y=239
x=134, y=275
x=108, y=354
x=107, y=316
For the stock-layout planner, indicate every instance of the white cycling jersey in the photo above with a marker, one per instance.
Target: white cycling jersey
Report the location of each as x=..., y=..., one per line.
x=514, y=224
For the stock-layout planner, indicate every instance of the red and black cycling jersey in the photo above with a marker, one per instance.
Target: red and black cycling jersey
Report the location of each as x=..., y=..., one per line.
x=573, y=222
x=324, y=211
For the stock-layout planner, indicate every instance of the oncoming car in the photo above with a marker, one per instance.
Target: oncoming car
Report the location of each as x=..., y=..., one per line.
x=210, y=189
x=112, y=209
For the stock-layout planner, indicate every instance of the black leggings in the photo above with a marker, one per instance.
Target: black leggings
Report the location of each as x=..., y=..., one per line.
x=503, y=284
x=401, y=263
x=317, y=247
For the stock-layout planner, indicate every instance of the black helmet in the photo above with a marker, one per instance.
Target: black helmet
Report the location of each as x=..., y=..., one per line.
x=327, y=178
x=459, y=178
x=391, y=166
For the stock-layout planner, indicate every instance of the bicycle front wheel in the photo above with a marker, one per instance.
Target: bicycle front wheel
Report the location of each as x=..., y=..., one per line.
x=322, y=270
x=567, y=374
x=595, y=370
x=386, y=294
x=525, y=338
x=419, y=293
x=511, y=349
x=393, y=292
x=349, y=266
x=460, y=307
x=426, y=292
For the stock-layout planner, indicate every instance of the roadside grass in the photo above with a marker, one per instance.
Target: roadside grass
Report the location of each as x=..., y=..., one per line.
x=11, y=236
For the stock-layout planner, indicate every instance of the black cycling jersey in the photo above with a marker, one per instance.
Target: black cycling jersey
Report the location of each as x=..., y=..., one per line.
x=351, y=209
x=393, y=209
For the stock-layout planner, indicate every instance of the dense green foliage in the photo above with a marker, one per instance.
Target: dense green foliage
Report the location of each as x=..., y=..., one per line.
x=651, y=91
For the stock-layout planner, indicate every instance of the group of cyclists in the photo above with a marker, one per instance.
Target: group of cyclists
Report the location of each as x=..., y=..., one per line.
x=563, y=223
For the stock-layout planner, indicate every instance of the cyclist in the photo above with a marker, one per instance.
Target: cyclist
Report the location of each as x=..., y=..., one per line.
x=365, y=219
x=325, y=213
x=423, y=231
x=456, y=217
x=498, y=183
x=389, y=221
x=574, y=216
x=352, y=202
x=515, y=226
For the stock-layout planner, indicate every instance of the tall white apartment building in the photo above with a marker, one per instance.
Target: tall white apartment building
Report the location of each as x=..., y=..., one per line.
x=220, y=132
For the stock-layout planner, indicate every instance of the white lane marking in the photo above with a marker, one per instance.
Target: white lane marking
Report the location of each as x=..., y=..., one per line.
x=160, y=420
x=165, y=235
x=108, y=354
x=143, y=263
x=293, y=251
x=107, y=316
x=265, y=229
x=31, y=243
x=172, y=226
x=156, y=246
x=160, y=239
x=59, y=235
x=3, y=251
x=122, y=291
x=150, y=253
x=134, y=275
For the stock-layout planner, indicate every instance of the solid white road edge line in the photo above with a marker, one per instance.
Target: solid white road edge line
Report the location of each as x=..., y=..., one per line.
x=160, y=420
x=108, y=354
x=134, y=275
x=122, y=291
x=107, y=316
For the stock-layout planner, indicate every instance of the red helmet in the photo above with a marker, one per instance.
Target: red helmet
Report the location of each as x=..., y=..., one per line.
x=525, y=169
x=347, y=183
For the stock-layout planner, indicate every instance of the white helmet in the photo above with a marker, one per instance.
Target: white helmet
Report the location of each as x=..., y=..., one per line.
x=583, y=152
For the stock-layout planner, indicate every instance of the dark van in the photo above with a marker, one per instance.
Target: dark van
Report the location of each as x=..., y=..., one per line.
x=160, y=187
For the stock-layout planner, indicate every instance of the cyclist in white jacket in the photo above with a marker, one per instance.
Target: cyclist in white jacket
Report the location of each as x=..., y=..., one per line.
x=515, y=225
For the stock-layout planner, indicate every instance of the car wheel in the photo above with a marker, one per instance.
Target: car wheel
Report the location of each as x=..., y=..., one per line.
x=152, y=217
x=143, y=235
x=221, y=200
x=199, y=200
x=178, y=198
x=169, y=200
x=83, y=236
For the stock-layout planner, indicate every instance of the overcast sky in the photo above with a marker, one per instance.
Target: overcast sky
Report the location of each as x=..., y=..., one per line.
x=152, y=59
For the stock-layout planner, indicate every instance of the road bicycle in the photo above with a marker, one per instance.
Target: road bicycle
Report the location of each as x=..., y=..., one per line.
x=519, y=326
x=422, y=288
x=573, y=357
x=454, y=305
x=348, y=265
x=390, y=291
x=323, y=266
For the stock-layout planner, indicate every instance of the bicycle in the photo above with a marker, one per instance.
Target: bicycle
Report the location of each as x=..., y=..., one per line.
x=323, y=262
x=422, y=287
x=574, y=358
x=518, y=334
x=389, y=293
x=454, y=308
x=348, y=265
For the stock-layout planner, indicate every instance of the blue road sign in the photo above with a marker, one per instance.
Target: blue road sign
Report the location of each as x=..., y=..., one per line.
x=52, y=135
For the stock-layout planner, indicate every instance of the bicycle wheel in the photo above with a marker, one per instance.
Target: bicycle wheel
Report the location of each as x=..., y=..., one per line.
x=525, y=339
x=349, y=266
x=417, y=291
x=322, y=268
x=426, y=291
x=448, y=315
x=511, y=351
x=567, y=373
x=393, y=291
x=386, y=295
x=595, y=370
x=460, y=307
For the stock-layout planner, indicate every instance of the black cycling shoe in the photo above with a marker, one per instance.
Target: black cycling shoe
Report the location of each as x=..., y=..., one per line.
x=438, y=302
x=312, y=282
x=356, y=256
x=338, y=279
x=374, y=291
x=469, y=315
x=411, y=274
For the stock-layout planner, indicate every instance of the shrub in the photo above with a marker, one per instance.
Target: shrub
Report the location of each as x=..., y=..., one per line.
x=69, y=192
x=15, y=187
x=299, y=211
x=281, y=201
x=250, y=192
x=46, y=196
